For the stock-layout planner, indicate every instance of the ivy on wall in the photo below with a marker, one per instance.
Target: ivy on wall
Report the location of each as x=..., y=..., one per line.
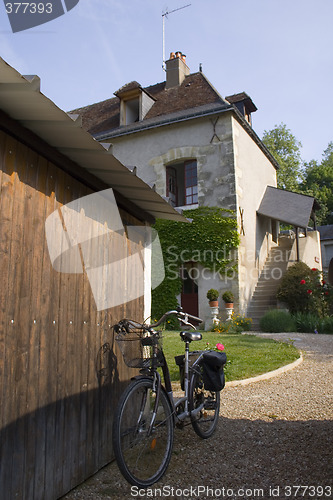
x=208, y=240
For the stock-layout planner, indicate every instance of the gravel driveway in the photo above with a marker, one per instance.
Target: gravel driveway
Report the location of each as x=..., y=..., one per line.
x=273, y=436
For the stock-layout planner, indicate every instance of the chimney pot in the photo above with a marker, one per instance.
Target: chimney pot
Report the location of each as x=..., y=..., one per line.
x=176, y=69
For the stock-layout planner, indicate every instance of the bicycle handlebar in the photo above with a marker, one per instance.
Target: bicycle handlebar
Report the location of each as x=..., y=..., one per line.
x=182, y=316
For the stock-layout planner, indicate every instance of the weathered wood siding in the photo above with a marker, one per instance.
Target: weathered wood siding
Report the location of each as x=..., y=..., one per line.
x=60, y=374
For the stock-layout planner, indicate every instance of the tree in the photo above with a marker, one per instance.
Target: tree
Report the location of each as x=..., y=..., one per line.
x=285, y=148
x=318, y=182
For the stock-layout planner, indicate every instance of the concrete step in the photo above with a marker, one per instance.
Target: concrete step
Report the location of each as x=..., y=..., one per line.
x=270, y=286
x=264, y=295
x=264, y=302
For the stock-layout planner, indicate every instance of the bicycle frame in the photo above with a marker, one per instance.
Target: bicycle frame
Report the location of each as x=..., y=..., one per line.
x=168, y=387
x=157, y=383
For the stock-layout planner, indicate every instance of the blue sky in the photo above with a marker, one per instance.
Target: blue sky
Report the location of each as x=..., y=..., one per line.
x=278, y=51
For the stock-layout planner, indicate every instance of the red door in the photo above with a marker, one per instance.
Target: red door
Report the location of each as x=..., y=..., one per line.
x=189, y=295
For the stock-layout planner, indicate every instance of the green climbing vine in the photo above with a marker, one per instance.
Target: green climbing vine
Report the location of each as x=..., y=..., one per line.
x=208, y=240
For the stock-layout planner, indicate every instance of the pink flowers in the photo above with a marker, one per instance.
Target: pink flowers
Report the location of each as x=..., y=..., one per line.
x=309, y=292
x=302, y=282
x=218, y=347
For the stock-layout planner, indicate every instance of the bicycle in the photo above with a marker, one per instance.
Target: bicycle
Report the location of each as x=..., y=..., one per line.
x=143, y=427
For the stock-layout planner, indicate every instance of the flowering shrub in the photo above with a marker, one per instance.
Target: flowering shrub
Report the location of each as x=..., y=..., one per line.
x=221, y=327
x=304, y=290
x=241, y=323
x=237, y=324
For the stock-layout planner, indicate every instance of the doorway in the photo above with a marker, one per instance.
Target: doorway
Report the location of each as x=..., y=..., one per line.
x=189, y=294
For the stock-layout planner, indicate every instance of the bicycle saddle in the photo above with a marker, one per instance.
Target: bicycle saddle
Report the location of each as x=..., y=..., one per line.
x=189, y=336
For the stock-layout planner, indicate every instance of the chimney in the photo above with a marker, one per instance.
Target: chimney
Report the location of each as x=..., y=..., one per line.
x=176, y=70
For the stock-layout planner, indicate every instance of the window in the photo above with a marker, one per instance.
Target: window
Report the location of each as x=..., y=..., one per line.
x=132, y=111
x=182, y=183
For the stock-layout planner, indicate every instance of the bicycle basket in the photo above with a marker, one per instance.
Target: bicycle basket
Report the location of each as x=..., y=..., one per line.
x=136, y=345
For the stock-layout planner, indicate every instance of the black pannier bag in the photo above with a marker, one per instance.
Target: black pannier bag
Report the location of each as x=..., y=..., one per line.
x=213, y=374
x=180, y=361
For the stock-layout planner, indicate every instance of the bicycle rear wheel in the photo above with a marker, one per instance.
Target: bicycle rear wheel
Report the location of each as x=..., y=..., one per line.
x=142, y=457
x=207, y=404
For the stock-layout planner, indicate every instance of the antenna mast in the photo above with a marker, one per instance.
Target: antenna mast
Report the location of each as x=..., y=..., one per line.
x=165, y=15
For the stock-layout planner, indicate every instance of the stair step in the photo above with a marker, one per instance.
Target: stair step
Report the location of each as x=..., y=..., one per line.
x=264, y=295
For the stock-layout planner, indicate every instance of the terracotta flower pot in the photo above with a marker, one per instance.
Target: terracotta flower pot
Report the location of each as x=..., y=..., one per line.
x=229, y=305
x=213, y=303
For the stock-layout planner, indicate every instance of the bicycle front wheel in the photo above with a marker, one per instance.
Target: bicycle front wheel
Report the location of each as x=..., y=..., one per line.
x=142, y=451
x=204, y=405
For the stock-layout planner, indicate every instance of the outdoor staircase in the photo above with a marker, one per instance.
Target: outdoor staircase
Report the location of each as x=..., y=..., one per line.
x=263, y=297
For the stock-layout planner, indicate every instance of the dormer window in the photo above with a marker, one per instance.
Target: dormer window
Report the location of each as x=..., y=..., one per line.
x=131, y=110
x=244, y=104
x=134, y=103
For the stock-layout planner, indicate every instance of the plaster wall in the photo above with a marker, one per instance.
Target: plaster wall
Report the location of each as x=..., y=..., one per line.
x=209, y=140
x=253, y=172
x=326, y=253
x=309, y=250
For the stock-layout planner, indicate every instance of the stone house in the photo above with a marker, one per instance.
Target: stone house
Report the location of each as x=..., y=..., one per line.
x=199, y=149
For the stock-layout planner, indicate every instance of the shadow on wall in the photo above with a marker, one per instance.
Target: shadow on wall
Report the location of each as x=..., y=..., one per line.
x=49, y=451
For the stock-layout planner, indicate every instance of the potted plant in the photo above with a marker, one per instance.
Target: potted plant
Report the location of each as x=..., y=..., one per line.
x=212, y=296
x=228, y=298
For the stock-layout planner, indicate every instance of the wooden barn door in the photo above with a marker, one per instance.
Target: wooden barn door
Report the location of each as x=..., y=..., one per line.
x=61, y=373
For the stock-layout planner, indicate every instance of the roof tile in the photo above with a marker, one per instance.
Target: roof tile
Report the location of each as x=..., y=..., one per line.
x=194, y=91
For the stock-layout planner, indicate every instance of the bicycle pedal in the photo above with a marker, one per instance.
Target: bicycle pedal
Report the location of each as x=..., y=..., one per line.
x=210, y=405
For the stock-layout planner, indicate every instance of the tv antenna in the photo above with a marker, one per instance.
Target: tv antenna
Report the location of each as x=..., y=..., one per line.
x=165, y=15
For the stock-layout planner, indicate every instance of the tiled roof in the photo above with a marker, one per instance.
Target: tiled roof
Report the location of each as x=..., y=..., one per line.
x=195, y=97
x=195, y=91
x=326, y=232
x=242, y=96
x=129, y=86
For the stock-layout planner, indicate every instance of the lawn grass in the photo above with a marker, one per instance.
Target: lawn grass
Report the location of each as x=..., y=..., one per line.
x=247, y=355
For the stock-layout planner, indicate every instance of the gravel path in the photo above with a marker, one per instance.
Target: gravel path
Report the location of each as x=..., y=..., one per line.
x=273, y=436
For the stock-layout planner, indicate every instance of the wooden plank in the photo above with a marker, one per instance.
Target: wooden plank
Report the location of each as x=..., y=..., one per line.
x=72, y=367
x=25, y=180
x=45, y=415
x=13, y=357
x=55, y=447
x=8, y=340
x=35, y=447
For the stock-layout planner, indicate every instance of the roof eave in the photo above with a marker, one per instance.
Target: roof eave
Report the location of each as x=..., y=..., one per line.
x=22, y=101
x=193, y=113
